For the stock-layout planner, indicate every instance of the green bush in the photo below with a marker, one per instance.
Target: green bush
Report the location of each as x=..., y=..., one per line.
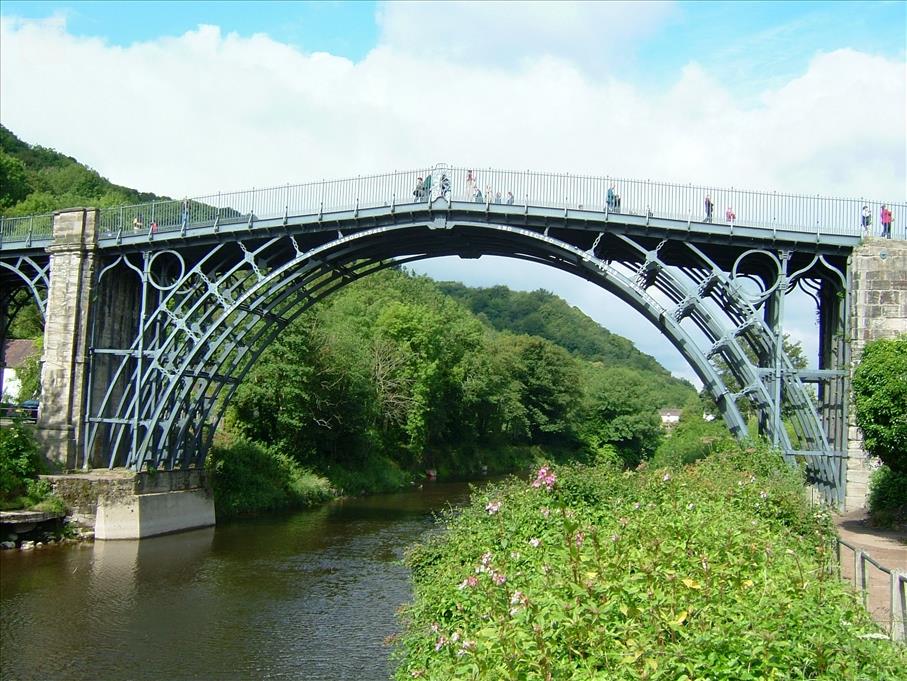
x=880, y=397
x=694, y=438
x=19, y=459
x=249, y=477
x=718, y=570
x=888, y=497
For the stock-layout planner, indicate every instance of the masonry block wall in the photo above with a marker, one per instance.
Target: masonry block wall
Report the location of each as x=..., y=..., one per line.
x=65, y=366
x=878, y=310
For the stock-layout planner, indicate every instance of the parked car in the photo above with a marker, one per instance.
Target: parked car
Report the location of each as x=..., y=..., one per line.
x=30, y=409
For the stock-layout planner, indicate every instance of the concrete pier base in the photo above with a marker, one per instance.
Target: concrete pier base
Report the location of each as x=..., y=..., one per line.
x=147, y=515
x=121, y=504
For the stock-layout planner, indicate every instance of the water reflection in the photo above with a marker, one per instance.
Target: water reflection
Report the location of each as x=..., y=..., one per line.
x=310, y=595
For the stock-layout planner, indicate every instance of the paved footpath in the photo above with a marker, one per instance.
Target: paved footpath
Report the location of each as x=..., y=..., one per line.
x=886, y=547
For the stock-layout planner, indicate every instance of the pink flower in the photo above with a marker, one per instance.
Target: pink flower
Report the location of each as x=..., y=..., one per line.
x=545, y=511
x=518, y=598
x=493, y=507
x=545, y=476
x=580, y=538
x=470, y=581
x=441, y=642
x=498, y=578
x=534, y=543
x=486, y=559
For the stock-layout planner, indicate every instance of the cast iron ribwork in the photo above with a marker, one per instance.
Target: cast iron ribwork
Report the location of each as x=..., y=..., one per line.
x=184, y=310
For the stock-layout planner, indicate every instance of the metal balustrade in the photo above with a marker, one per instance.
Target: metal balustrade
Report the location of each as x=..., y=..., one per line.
x=765, y=210
x=891, y=615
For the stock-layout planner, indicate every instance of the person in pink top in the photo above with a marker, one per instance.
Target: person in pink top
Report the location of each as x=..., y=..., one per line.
x=730, y=215
x=885, y=219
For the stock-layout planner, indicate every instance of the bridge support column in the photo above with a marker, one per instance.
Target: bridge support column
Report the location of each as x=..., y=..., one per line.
x=878, y=310
x=65, y=367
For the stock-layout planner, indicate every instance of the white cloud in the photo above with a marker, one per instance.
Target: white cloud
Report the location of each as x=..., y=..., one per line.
x=206, y=111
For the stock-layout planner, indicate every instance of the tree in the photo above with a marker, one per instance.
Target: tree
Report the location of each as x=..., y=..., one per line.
x=880, y=397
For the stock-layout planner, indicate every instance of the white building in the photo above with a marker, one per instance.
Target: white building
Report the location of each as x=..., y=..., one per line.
x=17, y=352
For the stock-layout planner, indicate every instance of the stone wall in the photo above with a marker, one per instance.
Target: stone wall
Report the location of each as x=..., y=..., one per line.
x=65, y=359
x=878, y=310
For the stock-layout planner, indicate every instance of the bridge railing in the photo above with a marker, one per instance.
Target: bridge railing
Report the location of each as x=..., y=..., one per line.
x=887, y=602
x=26, y=228
x=765, y=210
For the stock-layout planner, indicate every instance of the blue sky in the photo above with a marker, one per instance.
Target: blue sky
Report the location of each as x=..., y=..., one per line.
x=756, y=42
x=803, y=97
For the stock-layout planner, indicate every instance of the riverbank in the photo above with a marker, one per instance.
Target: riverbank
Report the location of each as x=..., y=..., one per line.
x=719, y=569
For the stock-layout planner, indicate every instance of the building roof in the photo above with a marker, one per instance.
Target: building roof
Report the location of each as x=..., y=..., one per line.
x=17, y=351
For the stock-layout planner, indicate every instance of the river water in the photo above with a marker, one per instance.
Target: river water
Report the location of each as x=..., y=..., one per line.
x=310, y=595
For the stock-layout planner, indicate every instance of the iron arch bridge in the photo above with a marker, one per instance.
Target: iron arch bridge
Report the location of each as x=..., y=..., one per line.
x=188, y=294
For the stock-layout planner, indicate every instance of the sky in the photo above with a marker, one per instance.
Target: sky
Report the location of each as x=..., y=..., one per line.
x=190, y=98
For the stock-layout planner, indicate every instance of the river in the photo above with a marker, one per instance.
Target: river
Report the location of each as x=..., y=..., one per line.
x=309, y=595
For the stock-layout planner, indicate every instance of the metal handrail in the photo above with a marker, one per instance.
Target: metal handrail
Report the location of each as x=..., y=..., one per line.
x=897, y=593
x=747, y=208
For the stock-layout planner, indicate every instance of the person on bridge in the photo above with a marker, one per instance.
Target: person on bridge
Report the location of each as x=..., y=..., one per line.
x=709, y=207
x=445, y=186
x=138, y=222
x=730, y=215
x=613, y=200
x=478, y=196
x=509, y=198
x=426, y=188
x=417, y=191
x=471, y=185
x=865, y=220
x=886, y=220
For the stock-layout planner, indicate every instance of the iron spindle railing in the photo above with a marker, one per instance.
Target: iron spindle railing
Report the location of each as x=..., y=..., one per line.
x=686, y=203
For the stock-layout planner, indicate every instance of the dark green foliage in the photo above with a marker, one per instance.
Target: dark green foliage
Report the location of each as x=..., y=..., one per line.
x=721, y=570
x=888, y=497
x=880, y=396
x=19, y=459
x=20, y=465
x=35, y=179
x=248, y=477
x=621, y=410
x=544, y=314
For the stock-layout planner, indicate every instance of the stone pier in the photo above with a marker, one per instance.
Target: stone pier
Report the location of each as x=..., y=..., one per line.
x=878, y=310
x=65, y=362
x=123, y=504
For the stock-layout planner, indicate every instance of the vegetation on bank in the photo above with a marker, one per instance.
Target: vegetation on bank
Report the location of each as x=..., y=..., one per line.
x=717, y=570
x=390, y=377
x=880, y=398
x=20, y=466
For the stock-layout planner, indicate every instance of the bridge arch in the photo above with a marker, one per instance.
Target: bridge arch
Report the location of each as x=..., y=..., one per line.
x=205, y=323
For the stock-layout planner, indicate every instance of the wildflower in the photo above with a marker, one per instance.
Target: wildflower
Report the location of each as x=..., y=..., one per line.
x=545, y=511
x=454, y=637
x=498, y=578
x=435, y=628
x=442, y=641
x=691, y=506
x=579, y=539
x=470, y=581
x=666, y=477
x=636, y=506
x=763, y=494
x=615, y=537
x=546, y=569
x=624, y=522
x=486, y=559
x=417, y=673
x=546, y=477
x=534, y=543
x=493, y=507
x=515, y=555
